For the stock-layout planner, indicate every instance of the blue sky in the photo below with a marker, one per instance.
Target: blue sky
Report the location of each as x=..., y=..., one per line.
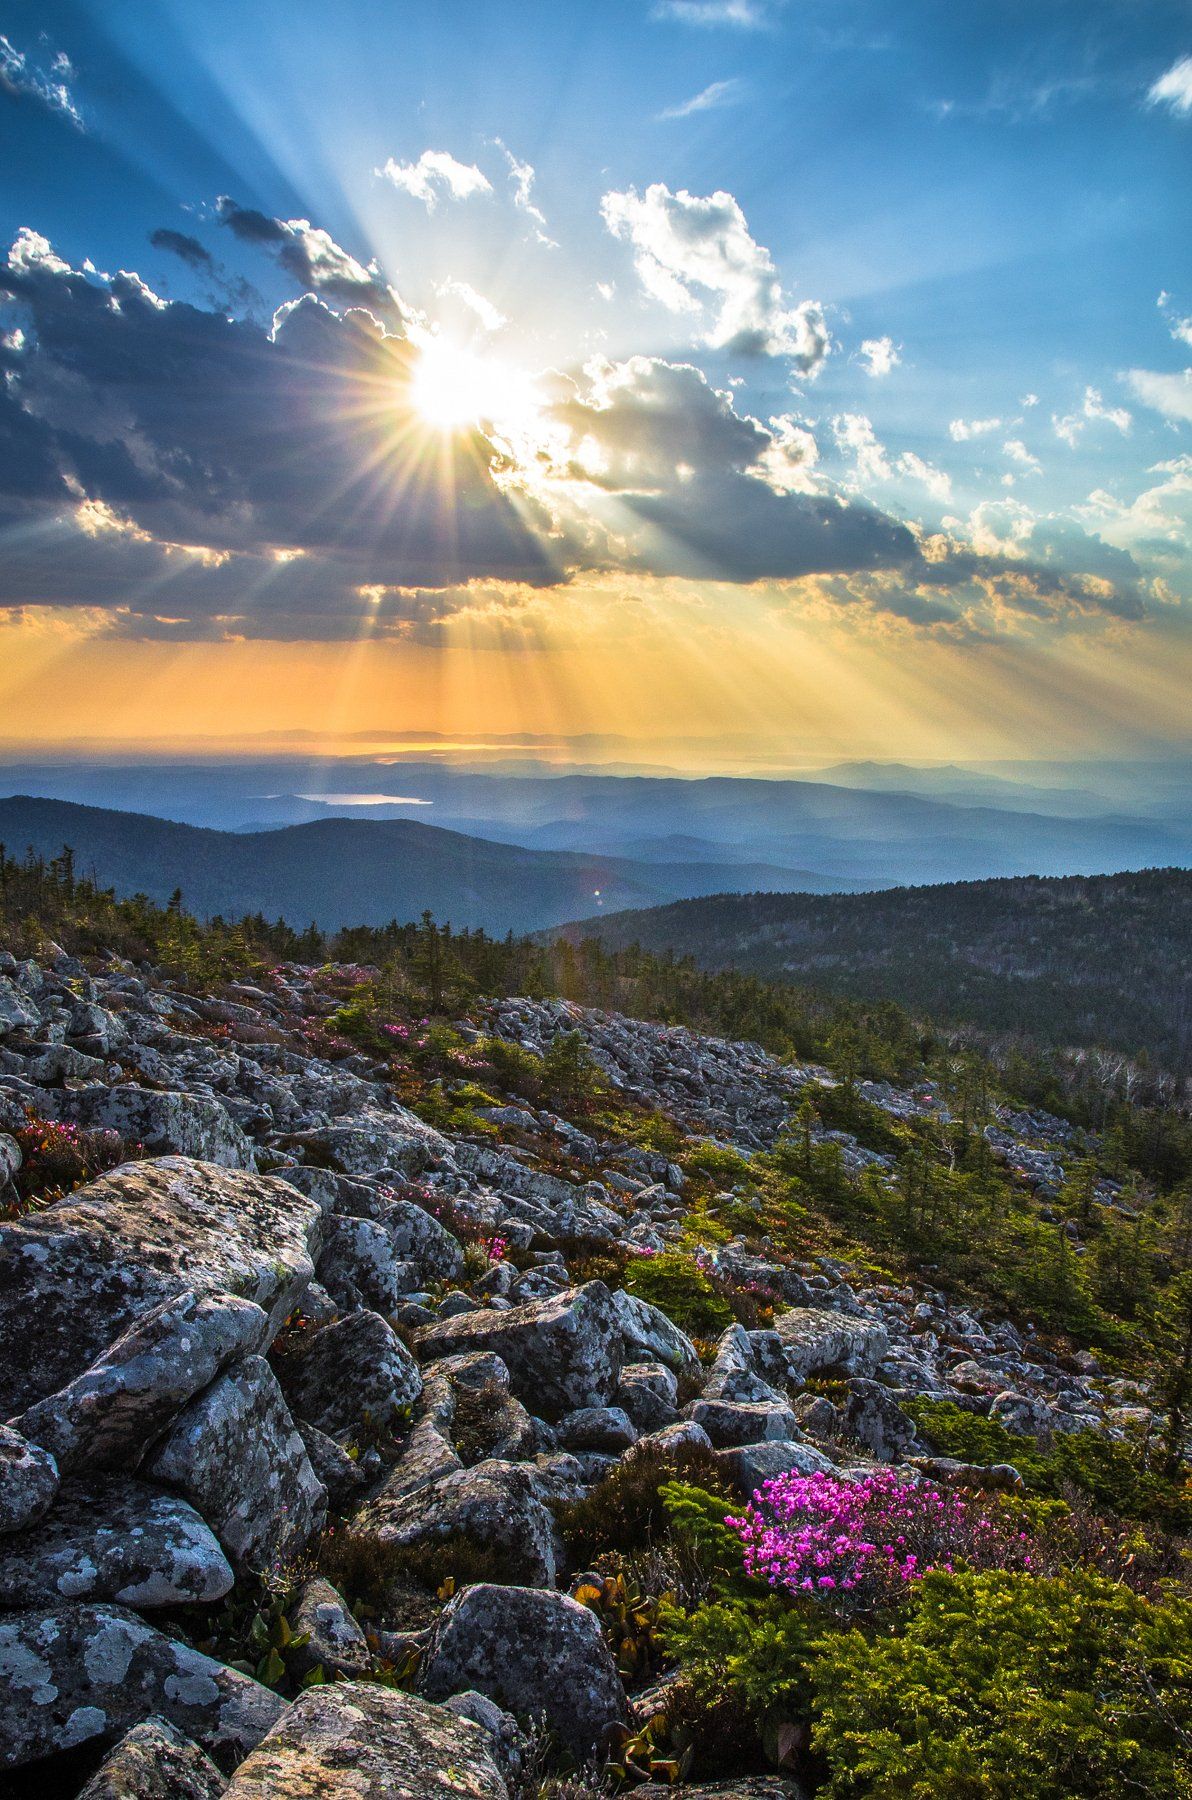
x=938, y=255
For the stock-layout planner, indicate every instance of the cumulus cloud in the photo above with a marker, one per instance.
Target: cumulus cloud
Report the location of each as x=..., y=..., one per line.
x=961, y=430
x=716, y=94
x=1018, y=453
x=22, y=78
x=1179, y=325
x=1168, y=393
x=434, y=174
x=687, y=247
x=311, y=257
x=872, y=464
x=477, y=304
x=879, y=356
x=1173, y=88
x=522, y=177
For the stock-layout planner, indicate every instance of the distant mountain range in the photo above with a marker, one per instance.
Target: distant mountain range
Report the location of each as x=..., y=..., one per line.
x=1087, y=960
x=356, y=871
x=863, y=825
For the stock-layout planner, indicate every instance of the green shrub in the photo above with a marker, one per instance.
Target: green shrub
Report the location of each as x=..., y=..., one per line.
x=1004, y=1686
x=675, y=1283
x=628, y=1509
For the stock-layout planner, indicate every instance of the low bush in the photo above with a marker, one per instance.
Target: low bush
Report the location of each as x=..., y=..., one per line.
x=678, y=1285
x=628, y=1509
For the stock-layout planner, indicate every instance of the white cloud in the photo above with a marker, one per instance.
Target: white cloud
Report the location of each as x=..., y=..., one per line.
x=435, y=173
x=1029, y=400
x=1170, y=394
x=1179, y=327
x=684, y=243
x=1174, y=88
x=1070, y=426
x=749, y=15
x=938, y=485
x=879, y=355
x=522, y=176
x=961, y=430
x=788, y=462
x=24, y=79
x=1017, y=451
x=854, y=433
x=607, y=290
x=490, y=317
x=717, y=93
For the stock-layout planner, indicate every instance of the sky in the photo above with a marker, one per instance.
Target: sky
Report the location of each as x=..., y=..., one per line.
x=817, y=372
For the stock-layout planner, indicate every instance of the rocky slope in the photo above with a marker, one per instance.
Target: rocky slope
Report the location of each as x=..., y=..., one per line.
x=299, y=1309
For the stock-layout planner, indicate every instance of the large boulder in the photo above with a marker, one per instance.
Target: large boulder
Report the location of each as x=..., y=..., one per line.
x=418, y=1237
x=154, y=1761
x=105, y=1417
x=534, y=1653
x=165, y=1123
x=28, y=1481
x=114, y=1539
x=236, y=1456
x=494, y=1505
x=360, y=1268
x=371, y=1743
x=561, y=1353
x=351, y=1376
x=817, y=1341
x=81, y=1672
x=17, y=1012
x=75, y=1277
x=371, y=1141
x=334, y=1641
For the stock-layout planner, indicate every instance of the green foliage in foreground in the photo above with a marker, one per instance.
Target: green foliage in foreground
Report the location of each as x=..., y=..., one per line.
x=1005, y=1686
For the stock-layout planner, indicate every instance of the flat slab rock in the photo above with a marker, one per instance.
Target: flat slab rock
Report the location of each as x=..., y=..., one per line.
x=154, y=1761
x=365, y=1742
x=80, y=1672
x=75, y=1277
x=114, y=1539
x=561, y=1353
x=816, y=1339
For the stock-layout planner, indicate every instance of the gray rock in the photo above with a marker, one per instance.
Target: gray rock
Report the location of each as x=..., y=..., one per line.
x=352, y=1377
x=505, y=1738
x=110, y=1538
x=728, y=1424
x=877, y=1421
x=534, y=1653
x=1023, y=1413
x=17, y=1013
x=106, y=1416
x=371, y=1743
x=647, y=1392
x=75, y=1277
x=427, y=1456
x=816, y=1341
x=80, y=1672
x=11, y=1158
x=606, y=1428
x=28, y=1481
x=493, y=1504
x=359, y=1267
x=561, y=1353
x=167, y=1124
x=154, y=1761
x=335, y=1643
x=396, y=1139
x=235, y=1455
x=674, y=1437
x=418, y=1237
x=339, y=1473
x=749, y=1465
x=649, y=1336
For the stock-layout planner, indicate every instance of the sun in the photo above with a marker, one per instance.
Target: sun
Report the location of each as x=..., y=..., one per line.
x=454, y=389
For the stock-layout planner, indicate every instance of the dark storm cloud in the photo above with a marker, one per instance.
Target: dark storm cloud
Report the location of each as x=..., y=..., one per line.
x=312, y=258
x=179, y=244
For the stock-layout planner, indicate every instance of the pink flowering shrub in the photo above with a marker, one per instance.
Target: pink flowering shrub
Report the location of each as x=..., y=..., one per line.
x=862, y=1541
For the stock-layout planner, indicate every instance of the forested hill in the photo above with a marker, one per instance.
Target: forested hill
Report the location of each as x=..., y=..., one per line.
x=1101, y=959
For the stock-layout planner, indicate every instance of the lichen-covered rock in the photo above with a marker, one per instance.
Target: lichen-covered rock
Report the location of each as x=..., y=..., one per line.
x=167, y=1124
x=339, y=1473
x=360, y=1268
x=371, y=1141
x=106, y=1416
x=816, y=1340
x=650, y=1336
x=17, y=1012
x=606, y=1428
x=647, y=1392
x=493, y=1504
x=75, y=1277
x=80, y=1672
x=350, y=1375
x=371, y=1743
x=561, y=1353
x=235, y=1455
x=418, y=1237
x=728, y=1424
x=334, y=1641
x=534, y=1653
x=749, y=1465
x=154, y=1761
x=877, y=1421
x=28, y=1480
x=109, y=1538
